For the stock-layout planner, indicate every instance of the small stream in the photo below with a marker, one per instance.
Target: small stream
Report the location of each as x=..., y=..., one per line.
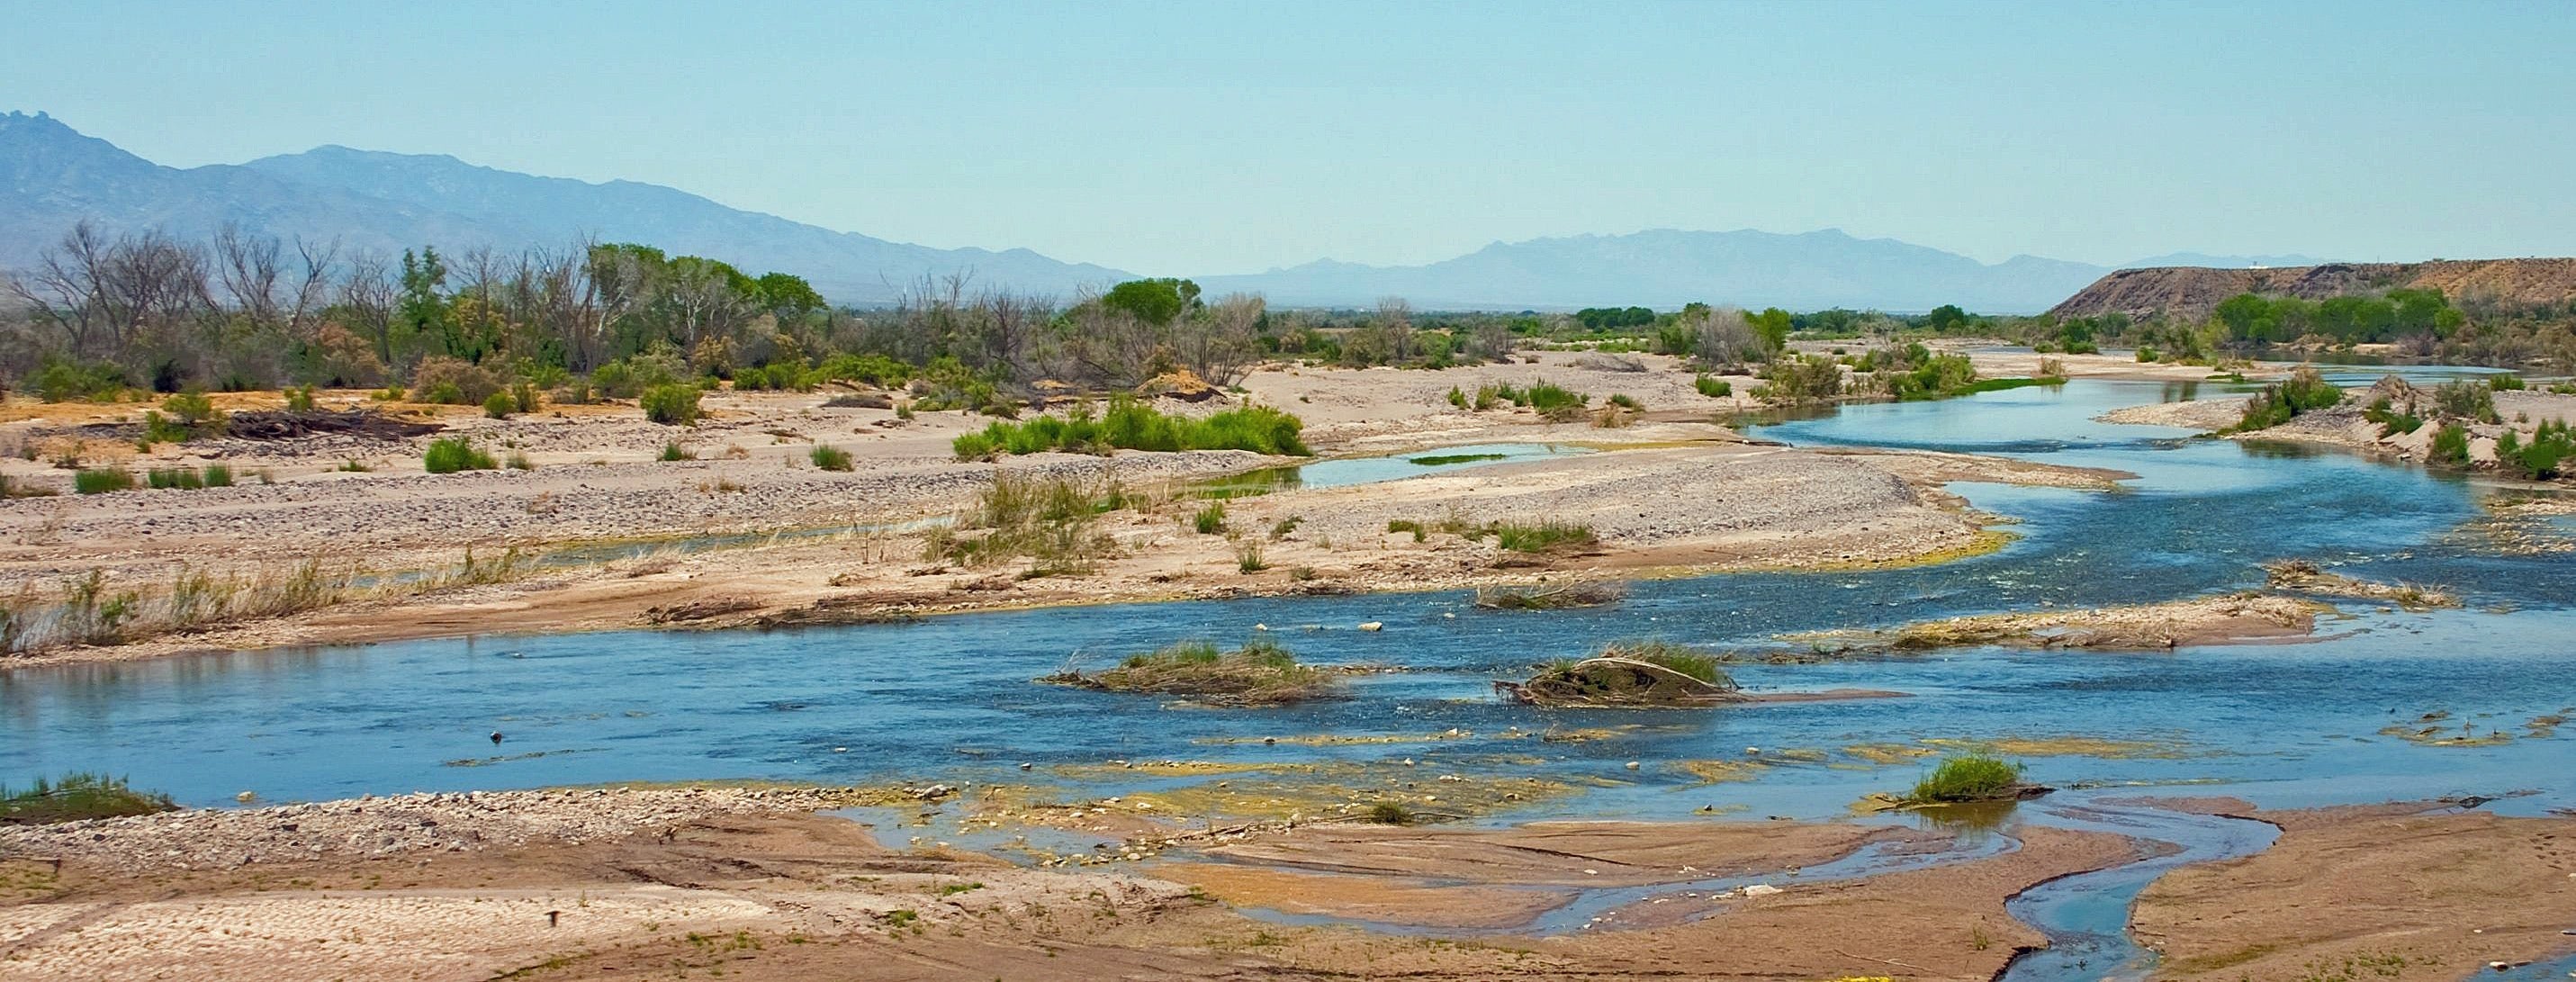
x=2086, y=916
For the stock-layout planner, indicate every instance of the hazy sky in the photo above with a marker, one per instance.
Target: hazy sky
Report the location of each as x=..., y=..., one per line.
x=1208, y=138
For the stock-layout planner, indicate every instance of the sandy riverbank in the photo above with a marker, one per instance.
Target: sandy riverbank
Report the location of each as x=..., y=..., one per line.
x=2409, y=892
x=615, y=883
x=711, y=880
x=1672, y=493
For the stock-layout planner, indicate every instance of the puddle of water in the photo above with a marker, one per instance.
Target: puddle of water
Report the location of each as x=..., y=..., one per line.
x=2086, y=916
x=1348, y=471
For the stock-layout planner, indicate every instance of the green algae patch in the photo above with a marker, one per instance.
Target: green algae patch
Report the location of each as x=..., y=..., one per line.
x=1885, y=754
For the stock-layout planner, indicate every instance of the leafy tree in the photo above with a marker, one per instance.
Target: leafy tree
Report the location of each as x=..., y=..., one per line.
x=1153, y=302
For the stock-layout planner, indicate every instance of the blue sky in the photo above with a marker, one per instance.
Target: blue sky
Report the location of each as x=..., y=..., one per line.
x=1210, y=138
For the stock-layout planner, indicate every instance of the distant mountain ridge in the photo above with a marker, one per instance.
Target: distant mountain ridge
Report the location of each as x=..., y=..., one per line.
x=1666, y=268
x=52, y=176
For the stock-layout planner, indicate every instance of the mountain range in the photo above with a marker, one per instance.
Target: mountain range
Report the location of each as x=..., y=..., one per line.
x=52, y=176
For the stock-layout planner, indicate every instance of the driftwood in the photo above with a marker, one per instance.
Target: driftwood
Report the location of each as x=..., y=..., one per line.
x=1613, y=681
x=287, y=424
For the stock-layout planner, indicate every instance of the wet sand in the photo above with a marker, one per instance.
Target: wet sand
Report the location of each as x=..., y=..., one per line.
x=2399, y=892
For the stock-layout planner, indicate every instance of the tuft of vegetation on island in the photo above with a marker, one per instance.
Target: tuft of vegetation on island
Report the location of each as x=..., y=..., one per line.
x=1260, y=673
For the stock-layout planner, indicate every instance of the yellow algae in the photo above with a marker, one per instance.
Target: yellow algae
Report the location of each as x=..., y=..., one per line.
x=1168, y=768
x=1983, y=542
x=1890, y=753
x=1581, y=734
x=1321, y=799
x=2064, y=746
x=1803, y=755
x=1720, y=771
x=1876, y=802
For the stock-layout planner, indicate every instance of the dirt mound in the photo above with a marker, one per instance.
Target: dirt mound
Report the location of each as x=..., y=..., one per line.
x=1615, y=681
x=2192, y=292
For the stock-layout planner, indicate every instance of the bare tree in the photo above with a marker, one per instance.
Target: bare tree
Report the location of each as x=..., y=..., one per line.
x=368, y=296
x=1395, y=320
x=1217, y=342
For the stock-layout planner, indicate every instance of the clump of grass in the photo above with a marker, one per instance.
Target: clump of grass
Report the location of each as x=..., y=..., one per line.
x=76, y=796
x=447, y=455
x=500, y=406
x=1713, y=387
x=1261, y=673
x=1631, y=674
x=830, y=458
x=1968, y=777
x=1281, y=528
x=674, y=451
x=101, y=480
x=1210, y=520
x=1394, y=525
x=1541, y=537
x=1248, y=557
x=1052, y=521
x=519, y=461
x=354, y=465
x=1446, y=459
x=1681, y=658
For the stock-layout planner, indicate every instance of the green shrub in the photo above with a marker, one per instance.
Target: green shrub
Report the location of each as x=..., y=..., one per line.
x=672, y=404
x=500, y=405
x=2278, y=403
x=1713, y=387
x=1628, y=402
x=1554, y=402
x=1130, y=424
x=2451, y=445
x=2148, y=354
x=1261, y=673
x=1247, y=557
x=674, y=451
x=1806, y=378
x=1458, y=397
x=101, y=480
x=447, y=455
x=2507, y=382
x=1210, y=520
x=2466, y=400
x=523, y=395
x=218, y=476
x=1394, y=525
x=299, y=399
x=2542, y=457
x=830, y=458
x=66, y=381
x=2392, y=421
x=1968, y=777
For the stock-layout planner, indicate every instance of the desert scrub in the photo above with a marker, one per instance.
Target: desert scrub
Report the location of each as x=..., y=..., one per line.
x=101, y=480
x=2541, y=457
x=1247, y=558
x=76, y=796
x=2304, y=391
x=1713, y=387
x=2451, y=445
x=1968, y=777
x=830, y=458
x=447, y=455
x=1261, y=673
x=1130, y=424
x=671, y=404
x=212, y=476
x=674, y=451
x=1054, y=522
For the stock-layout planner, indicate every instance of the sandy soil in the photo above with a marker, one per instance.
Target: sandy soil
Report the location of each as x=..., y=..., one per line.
x=2412, y=895
x=1671, y=493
